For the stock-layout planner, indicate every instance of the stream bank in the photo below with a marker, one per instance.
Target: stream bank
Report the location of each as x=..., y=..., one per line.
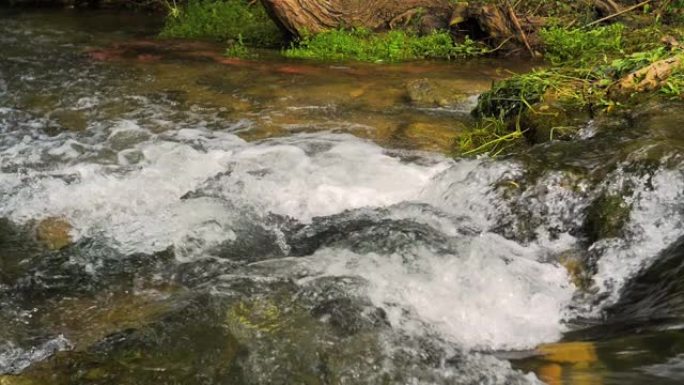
x=254, y=222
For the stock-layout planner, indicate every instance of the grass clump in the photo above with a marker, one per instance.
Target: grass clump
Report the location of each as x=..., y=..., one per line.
x=491, y=136
x=223, y=21
x=393, y=46
x=510, y=97
x=564, y=46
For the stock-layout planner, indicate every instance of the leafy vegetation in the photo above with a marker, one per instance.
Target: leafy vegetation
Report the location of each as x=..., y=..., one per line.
x=581, y=46
x=393, y=46
x=228, y=20
x=491, y=136
x=593, y=71
x=238, y=49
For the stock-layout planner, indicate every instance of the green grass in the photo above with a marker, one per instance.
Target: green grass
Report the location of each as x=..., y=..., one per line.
x=393, y=46
x=580, y=46
x=229, y=20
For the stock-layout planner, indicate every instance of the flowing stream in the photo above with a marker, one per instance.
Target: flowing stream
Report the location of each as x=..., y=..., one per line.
x=171, y=216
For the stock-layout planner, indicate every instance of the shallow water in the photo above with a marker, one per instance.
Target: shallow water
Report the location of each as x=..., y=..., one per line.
x=272, y=221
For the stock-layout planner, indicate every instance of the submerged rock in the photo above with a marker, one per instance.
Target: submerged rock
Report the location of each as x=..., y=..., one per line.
x=426, y=93
x=70, y=120
x=85, y=321
x=54, y=233
x=431, y=136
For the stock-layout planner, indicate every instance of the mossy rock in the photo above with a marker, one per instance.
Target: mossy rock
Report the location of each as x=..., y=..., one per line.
x=606, y=217
x=550, y=121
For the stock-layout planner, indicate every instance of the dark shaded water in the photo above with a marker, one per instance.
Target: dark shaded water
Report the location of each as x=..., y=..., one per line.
x=172, y=216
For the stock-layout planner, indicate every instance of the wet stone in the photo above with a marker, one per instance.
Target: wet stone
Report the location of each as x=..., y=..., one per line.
x=70, y=120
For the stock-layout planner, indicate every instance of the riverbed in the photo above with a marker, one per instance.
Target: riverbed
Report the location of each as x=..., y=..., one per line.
x=170, y=215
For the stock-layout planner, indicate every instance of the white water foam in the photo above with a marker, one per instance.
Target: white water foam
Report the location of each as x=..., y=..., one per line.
x=656, y=221
x=492, y=295
x=140, y=206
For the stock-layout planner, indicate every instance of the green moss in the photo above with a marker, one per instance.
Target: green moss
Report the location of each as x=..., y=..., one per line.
x=606, y=217
x=223, y=21
x=578, y=45
x=393, y=46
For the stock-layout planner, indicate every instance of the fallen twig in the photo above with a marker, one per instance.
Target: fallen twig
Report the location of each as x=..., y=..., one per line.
x=518, y=27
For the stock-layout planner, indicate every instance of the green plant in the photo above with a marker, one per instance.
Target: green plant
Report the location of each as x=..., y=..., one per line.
x=510, y=97
x=674, y=86
x=490, y=136
x=238, y=49
x=581, y=46
x=394, y=46
x=222, y=21
x=633, y=62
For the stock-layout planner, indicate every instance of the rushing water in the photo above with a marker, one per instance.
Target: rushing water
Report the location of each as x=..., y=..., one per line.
x=281, y=222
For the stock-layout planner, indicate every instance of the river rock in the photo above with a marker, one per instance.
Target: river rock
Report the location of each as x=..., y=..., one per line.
x=426, y=93
x=54, y=233
x=123, y=139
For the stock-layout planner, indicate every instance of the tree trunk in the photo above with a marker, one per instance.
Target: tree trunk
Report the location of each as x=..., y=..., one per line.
x=299, y=17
